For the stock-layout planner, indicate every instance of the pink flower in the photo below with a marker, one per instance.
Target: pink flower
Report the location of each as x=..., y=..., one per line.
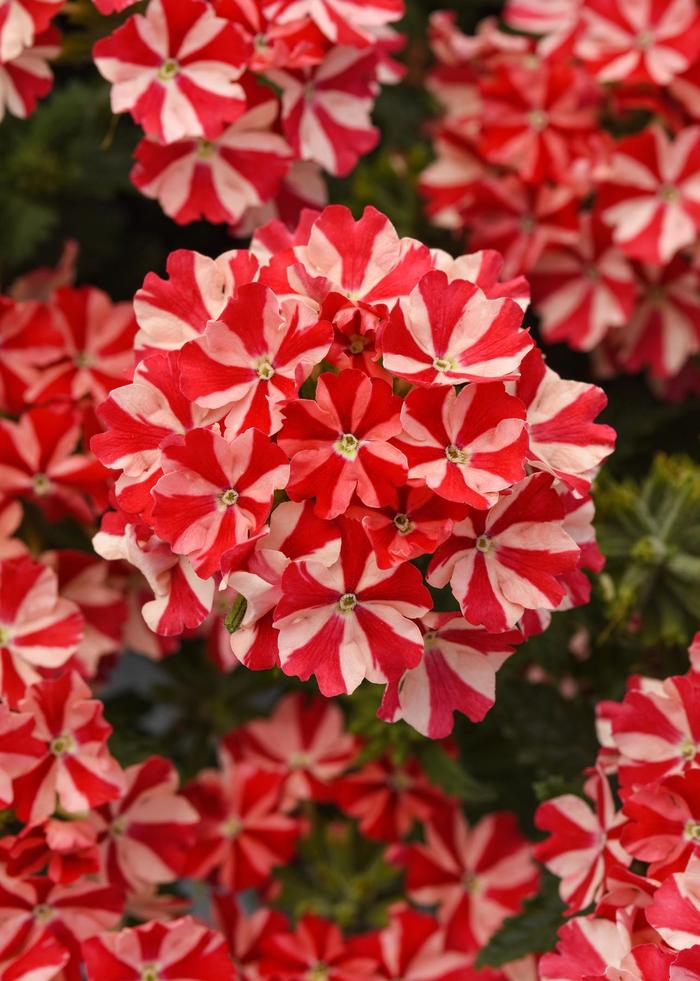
x=182, y=950
x=352, y=620
x=29, y=342
x=446, y=333
x=304, y=739
x=63, y=850
x=242, y=833
x=245, y=932
x=37, y=629
x=587, y=947
x=176, y=69
x=215, y=494
x=34, y=912
x=467, y=447
x=583, y=843
x=145, y=835
x=253, y=358
x=217, y=180
x=75, y=770
x=651, y=197
x=457, y=674
x=172, y=311
x=623, y=40
x=657, y=731
x=478, y=876
x=315, y=946
x=339, y=443
x=502, y=562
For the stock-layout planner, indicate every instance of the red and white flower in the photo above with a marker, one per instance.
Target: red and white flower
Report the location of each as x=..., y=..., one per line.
x=253, y=358
x=144, y=836
x=584, y=290
x=182, y=950
x=584, y=842
x=477, y=876
x=316, y=948
x=175, y=68
x=651, y=197
x=502, y=562
x=352, y=620
x=215, y=494
x=97, y=338
x=457, y=674
x=37, y=462
x=217, y=180
x=623, y=40
x=446, y=333
x=675, y=909
x=587, y=947
x=305, y=739
x=242, y=832
x=326, y=110
x=27, y=77
x=663, y=825
x=352, y=22
x=37, y=628
x=466, y=447
x=172, y=311
x=563, y=438
x=21, y=21
x=75, y=770
x=339, y=445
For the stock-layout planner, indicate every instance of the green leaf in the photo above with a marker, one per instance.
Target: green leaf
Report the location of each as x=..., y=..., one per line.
x=534, y=930
x=449, y=774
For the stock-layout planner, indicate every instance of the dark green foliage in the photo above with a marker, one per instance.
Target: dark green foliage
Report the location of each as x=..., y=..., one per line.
x=532, y=931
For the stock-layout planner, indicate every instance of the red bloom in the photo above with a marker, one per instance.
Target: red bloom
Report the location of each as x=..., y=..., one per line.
x=664, y=823
x=338, y=443
x=97, y=338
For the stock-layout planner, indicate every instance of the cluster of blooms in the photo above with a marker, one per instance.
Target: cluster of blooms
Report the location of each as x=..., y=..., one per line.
x=244, y=103
x=91, y=844
x=28, y=40
x=635, y=855
x=574, y=148
x=309, y=417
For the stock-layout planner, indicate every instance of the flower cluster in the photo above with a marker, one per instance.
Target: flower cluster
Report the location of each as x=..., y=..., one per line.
x=574, y=148
x=321, y=428
x=244, y=103
x=90, y=844
x=633, y=854
x=28, y=40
